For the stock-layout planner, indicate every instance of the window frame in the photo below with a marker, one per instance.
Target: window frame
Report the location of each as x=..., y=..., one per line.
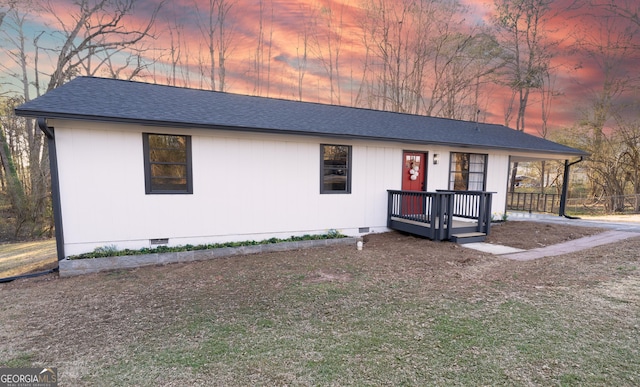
x=147, y=166
x=452, y=172
x=348, y=168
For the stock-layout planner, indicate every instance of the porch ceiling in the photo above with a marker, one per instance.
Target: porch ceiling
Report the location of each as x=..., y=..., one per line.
x=547, y=157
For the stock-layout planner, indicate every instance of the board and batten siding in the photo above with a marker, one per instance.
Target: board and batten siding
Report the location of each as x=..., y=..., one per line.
x=246, y=186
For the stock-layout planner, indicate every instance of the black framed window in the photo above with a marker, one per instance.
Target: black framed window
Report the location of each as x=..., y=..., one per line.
x=467, y=172
x=335, y=169
x=167, y=164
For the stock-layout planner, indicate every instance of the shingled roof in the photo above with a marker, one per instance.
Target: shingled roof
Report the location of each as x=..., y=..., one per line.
x=111, y=100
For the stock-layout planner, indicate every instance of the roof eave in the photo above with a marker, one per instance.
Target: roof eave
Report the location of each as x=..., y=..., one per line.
x=165, y=124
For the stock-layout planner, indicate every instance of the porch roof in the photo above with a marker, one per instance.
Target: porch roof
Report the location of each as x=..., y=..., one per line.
x=111, y=100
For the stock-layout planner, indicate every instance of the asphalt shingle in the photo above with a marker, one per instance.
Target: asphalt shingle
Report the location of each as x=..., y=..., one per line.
x=101, y=99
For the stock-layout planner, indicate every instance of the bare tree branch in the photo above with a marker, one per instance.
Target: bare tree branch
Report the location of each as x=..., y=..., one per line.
x=97, y=28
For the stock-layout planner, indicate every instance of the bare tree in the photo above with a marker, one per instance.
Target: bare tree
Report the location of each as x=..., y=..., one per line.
x=521, y=26
x=630, y=137
x=6, y=6
x=269, y=48
x=522, y=30
x=462, y=61
x=628, y=10
x=327, y=46
x=176, y=54
x=208, y=29
x=419, y=59
x=23, y=141
x=86, y=45
x=97, y=27
x=613, y=171
x=258, y=59
x=131, y=64
x=302, y=52
x=608, y=44
x=225, y=38
x=548, y=93
x=262, y=66
x=609, y=123
x=14, y=186
x=398, y=58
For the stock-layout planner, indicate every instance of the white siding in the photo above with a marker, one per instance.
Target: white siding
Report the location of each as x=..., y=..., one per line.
x=497, y=180
x=245, y=187
x=438, y=174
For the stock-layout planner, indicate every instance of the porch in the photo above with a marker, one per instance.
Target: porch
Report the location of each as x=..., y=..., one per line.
x=458, y=216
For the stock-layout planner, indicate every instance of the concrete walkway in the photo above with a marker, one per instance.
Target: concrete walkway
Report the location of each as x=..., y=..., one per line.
x=618, y=231
x=572, y=246
x=548, y=218
x=492, y=248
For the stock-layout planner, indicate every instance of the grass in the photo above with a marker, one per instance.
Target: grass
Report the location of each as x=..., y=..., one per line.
x=26, y=257
x=337, y=335
x=388, y=333
x=20, y=360
x=403, y=311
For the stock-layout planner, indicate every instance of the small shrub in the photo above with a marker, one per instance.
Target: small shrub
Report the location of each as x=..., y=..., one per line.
x=112, y=250
x=333, y=234
x=499, y=217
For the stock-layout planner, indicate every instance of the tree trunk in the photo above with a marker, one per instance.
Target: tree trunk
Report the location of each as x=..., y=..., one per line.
x=15, y=190
x=514, y=174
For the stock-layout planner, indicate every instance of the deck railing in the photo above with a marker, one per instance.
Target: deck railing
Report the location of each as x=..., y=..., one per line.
x=421, y=213
x=412, y=205
x=473, y=205
x=431, y=214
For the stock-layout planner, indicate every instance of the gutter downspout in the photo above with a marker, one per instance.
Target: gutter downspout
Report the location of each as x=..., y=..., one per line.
x=565, y=188
x=55, y=185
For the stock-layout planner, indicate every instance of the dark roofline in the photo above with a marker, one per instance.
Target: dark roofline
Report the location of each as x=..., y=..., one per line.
x=35, y=113
x=174, y=124
x=111, y=100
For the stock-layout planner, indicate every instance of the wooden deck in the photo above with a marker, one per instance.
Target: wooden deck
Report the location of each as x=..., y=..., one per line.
x=456, y=224
x=446, y=215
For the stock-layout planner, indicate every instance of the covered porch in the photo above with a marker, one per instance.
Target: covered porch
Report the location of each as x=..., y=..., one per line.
x=458, y=216
x=539, y=201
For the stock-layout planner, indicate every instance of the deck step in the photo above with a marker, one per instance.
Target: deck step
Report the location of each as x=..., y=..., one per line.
x=469, y=237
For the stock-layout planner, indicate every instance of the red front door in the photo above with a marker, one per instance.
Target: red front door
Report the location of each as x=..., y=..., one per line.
x=414, y=170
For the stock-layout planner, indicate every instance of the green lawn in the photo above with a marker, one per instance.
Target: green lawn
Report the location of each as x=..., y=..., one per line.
x=392, y=334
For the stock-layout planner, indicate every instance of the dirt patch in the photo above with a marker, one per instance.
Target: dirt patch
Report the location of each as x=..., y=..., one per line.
x=530, y=235
x=322, y=276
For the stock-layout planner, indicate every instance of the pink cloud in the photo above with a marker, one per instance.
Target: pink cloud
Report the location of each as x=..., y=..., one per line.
x=284, y=23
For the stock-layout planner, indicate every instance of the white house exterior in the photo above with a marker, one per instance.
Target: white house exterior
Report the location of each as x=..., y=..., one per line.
x=245, y=183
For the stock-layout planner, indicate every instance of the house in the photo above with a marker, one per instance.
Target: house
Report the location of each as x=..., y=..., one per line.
x=134, y=164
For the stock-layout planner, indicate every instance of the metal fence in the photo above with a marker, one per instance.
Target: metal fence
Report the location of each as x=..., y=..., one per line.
x=621, y=204
x=538, y=202
x=533, y=202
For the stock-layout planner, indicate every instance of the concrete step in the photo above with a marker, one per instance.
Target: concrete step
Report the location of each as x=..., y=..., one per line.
x=469, y=237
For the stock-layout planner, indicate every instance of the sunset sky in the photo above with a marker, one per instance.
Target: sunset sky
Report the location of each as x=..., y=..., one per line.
x=577, y=77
